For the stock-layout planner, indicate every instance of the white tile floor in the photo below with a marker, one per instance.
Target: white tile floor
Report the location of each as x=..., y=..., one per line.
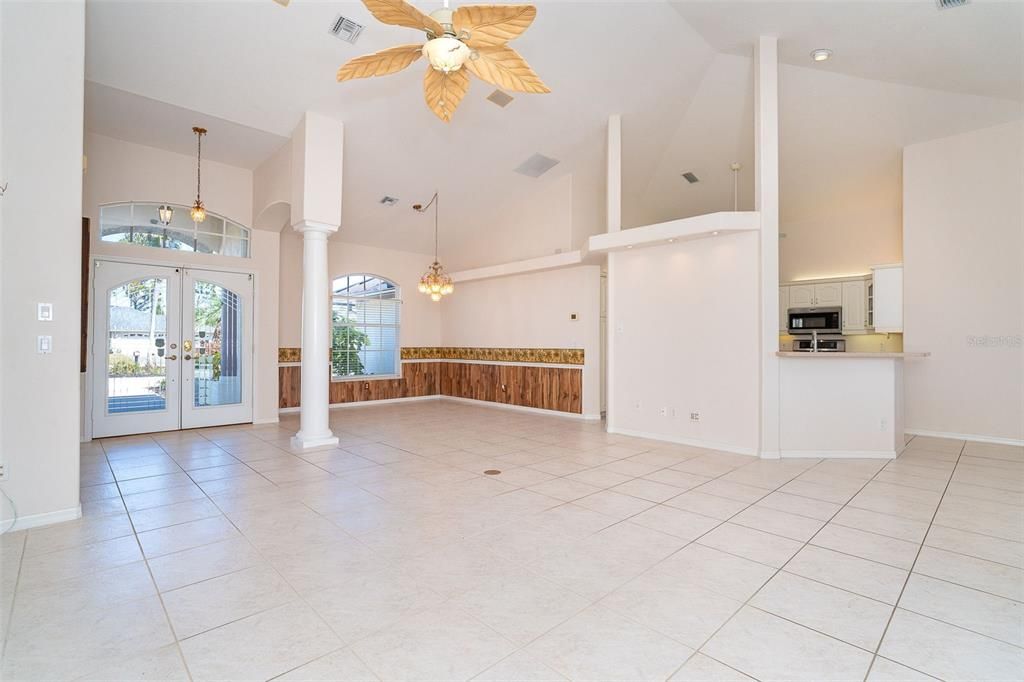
x=217, y=554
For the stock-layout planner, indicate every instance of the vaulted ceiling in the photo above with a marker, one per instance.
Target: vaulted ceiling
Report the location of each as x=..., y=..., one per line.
x=256, y=67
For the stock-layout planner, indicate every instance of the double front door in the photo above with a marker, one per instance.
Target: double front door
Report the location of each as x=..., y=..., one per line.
x=172, y=348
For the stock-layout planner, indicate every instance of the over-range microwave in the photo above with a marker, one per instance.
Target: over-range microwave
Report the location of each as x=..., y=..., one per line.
x=810, y=320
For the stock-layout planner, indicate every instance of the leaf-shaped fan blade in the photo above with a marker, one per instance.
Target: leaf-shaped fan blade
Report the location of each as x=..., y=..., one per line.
x=283, y=3
x=381, y=63
x=492, y=25
x=502, y=66
x=443, y=92
x=401, y=13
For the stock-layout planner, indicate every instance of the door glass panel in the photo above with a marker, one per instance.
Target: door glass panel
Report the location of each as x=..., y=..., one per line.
x=137, y=346
x=217, y=346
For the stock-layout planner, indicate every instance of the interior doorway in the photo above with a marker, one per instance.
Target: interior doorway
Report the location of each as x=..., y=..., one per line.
x=172, y=348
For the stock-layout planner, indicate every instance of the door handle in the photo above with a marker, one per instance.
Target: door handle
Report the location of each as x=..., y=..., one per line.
x=187, y=357
x=172, y=357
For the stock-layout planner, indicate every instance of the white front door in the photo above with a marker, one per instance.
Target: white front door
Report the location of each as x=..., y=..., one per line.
x=216, y=372
x=172, y=348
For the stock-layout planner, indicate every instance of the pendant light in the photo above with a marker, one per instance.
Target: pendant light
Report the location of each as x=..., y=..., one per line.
x=435, y=281
x=198, y=211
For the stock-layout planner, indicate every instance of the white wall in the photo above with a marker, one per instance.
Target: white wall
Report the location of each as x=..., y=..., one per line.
x=123, y=171
x=42, y=81
x=683, y=335
x=963, y=233
x=841, y=139
x=532, y=311
x=421, y=317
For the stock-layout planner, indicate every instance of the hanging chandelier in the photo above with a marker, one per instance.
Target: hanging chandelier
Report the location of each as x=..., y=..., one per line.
x=198, y=211
x=435, y=281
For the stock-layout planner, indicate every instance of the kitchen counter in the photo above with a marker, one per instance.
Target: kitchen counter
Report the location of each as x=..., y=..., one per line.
x=846, y=405
x=835, y=355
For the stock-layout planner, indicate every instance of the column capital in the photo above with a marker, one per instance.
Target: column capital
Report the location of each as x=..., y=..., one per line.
x=314, y=226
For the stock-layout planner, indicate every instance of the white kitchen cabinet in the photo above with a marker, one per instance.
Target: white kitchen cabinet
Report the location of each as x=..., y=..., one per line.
x=887, y=295
x=801, y=295
x=783, y=309
x=855, y=307
x=828, y=294
x=814, y=295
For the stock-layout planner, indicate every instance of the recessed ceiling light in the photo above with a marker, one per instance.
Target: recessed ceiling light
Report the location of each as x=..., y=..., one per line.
x=715, y=233
x=671, y=240
x=629, y=247
x=821, y=55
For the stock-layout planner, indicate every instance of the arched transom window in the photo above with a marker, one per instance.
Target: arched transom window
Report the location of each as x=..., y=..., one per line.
x=364, y=327
x=169, y=226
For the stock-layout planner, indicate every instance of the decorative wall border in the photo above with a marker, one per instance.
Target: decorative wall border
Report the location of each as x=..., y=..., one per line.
x=552, y=356
x=548, y=356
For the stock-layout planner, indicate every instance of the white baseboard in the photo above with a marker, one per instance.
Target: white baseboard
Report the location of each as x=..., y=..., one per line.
x=839, y=454
x=522, y=408
x=967, y=436
x=36, y=520
x=695, y=442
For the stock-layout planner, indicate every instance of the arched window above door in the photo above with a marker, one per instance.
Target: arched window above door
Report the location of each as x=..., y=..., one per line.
x=169, y=226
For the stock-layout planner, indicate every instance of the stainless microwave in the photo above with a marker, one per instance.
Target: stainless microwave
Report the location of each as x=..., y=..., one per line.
x=810, y=320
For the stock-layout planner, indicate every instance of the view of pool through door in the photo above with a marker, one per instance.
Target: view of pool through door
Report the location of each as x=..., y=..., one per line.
x=172, y=348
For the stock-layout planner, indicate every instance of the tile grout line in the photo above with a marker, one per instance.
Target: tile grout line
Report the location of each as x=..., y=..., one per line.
x=910, y=571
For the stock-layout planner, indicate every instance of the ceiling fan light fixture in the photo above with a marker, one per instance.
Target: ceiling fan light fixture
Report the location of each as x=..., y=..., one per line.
x=446, y=54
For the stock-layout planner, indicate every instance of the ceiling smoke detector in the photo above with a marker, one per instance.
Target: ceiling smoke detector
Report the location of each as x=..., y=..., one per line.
x=536, y=166
x=950, y=4
x=346, y=29
x=690, y=177
x=388, y=201
x=500, y=98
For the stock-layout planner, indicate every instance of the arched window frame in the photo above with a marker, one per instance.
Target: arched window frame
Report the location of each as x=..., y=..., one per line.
x=139, y=222
x=380, y=324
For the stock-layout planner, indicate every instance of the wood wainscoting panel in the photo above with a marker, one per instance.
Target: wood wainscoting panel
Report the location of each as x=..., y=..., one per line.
x=547, y=388
x=418, y=379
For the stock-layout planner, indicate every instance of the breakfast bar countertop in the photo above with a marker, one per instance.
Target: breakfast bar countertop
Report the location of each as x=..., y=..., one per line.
x=836, y=356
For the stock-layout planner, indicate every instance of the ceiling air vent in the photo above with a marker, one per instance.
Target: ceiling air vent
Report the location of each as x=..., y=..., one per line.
x=388, y=200
x=950, y=4
x=500, y=98
x=690, y=177
x=346, y=29
x=536, y=166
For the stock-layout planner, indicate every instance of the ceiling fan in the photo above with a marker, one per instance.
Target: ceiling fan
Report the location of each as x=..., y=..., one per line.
x=472, y=36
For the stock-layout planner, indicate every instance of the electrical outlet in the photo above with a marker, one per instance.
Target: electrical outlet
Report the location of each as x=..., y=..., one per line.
x=636, y=405
x=695, y=416
x=884, y=426
x=663, y=412
x=504, y=388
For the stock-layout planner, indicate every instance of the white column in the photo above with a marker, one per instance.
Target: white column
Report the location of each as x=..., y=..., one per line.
x=613, y=195
x=766, y=200
x=314, y=425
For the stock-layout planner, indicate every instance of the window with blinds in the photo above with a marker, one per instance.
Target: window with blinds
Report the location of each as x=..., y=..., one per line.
x=365, y=311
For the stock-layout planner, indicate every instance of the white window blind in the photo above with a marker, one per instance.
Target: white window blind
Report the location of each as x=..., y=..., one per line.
x=364, y=331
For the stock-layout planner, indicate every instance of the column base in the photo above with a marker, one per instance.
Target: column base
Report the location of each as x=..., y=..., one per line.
x=301, y=442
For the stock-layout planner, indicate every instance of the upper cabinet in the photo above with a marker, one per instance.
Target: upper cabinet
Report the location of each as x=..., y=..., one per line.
x=783, y=309
x=827, y=294
x=887, y=298
x=855, y=307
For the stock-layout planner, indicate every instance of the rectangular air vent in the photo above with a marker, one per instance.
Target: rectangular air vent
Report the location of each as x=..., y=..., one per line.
x=690, y=177
x=950, y=4
x=388, y=200
x=500, y=98
x=536, y=166
x=346, y=29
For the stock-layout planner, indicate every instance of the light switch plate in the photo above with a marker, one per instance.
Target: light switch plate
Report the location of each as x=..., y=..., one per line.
x=45, y=312
x=44, y=344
